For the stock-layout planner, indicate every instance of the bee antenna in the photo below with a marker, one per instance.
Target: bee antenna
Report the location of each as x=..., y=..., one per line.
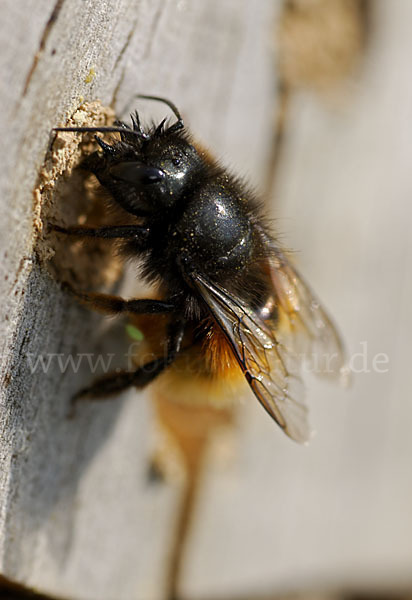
x=104, y=129
x=179, y=123
x=137, y=130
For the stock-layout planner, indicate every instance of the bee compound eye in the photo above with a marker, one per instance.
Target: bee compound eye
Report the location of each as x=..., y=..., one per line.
x=136, y=173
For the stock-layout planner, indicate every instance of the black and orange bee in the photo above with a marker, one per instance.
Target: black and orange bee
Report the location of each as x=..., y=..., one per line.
x=230, y=307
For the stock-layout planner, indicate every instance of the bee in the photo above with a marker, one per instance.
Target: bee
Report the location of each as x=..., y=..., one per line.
x=229, y=304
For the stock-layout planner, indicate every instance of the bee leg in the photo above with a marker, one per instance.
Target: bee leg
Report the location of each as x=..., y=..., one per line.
x=114, y=383
x=136, y=233
x=114, y=305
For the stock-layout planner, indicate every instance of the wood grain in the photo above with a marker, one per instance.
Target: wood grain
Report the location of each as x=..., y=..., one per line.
x=79, y=517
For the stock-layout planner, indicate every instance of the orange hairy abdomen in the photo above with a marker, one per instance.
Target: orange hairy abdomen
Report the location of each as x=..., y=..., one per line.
x=204, y=372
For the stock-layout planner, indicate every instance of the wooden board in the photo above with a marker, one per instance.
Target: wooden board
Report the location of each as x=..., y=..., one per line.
x=79, y=516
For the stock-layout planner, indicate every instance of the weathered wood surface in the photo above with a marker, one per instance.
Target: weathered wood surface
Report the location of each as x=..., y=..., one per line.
x=78, y=517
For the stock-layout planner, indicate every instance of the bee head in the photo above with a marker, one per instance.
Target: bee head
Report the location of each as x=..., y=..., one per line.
x=160, y=169
x=146, y=171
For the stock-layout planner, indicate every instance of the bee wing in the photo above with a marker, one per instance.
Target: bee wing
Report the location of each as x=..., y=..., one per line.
x=268, y=365
x=309, y=331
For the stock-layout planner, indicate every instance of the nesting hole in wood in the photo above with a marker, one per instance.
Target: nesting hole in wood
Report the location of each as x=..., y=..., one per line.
x=68, y=195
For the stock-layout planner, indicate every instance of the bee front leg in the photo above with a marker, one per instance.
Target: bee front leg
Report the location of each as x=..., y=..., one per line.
x=114, y=305
x=114, y=383
x=137, y=233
